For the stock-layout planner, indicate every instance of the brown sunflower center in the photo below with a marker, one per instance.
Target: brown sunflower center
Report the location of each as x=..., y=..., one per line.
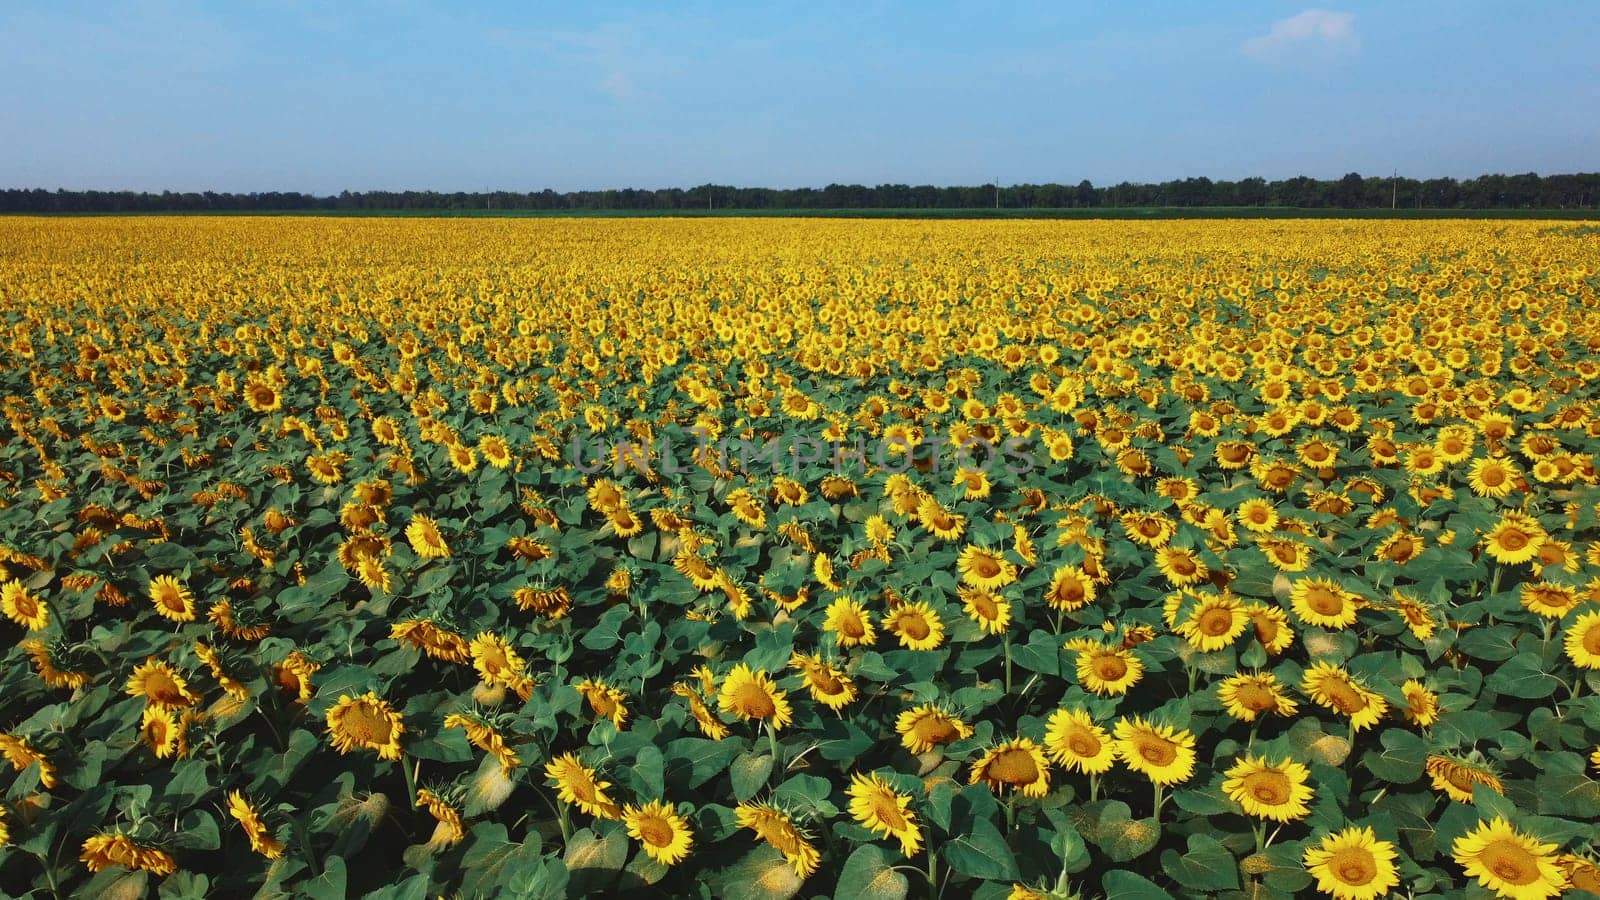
x=1014, y=766
x=887, y=811
x=1216, y=622
x=1110, y=667
x=985, y=607
x=754, y=701
x=914, y=626
x=1269, y=788
x=1591, y=639
x=1084, y=744
x=986, y=566
x=1354, y=865
x=1343, y=696
x=655, y=831
x=1324, y=601
x=1512, y=539
x=850, y=626
x=366, y=725
x=1255, y=698
x=1157, y=751
x=1511, y=862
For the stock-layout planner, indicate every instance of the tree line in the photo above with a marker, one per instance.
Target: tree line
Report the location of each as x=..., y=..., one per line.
x=1353, y=191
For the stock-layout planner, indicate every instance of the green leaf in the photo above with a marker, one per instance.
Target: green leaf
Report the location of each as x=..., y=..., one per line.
x=981, y=852
x=492, y=860
x=1120, y=884
x=749, y=774
x=763, y=874
x=330, y=885
x=1402, y=757
x=1208, y=866
x=867, y=875
x=698, y=760
x=1525, y=676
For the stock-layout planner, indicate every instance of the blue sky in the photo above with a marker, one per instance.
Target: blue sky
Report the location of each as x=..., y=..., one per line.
x=363, y=94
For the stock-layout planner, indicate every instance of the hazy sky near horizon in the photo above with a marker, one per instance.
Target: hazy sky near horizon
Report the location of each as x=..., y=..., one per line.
x=395, y=94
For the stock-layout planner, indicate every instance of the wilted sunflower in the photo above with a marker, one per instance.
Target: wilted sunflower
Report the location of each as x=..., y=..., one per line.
x=447, y=830
x=1334, y=689
x=752, y=695
x=1321, y=602
x=261, y=839
x=664, y=835
x=293, y=676
x=1159, y=752
x=1108, y=671
x=1074, y=741
x=576, y=784
x=925, y=727
x=777, y=827
x=879, y=808
x=1269, y=790
x=1508, y=862
x=22, y=607
x=482, y=735
x=605, y=701
x=1017, y=764
x=366, y=722
x=433, y=639
x=916, y=624
x=161, y=685
x=1583, y=641
x=116, y=848
x=1246, y=696
x=987, y=610
x=426, y=540
x=1457, y=776
x=1353, y=864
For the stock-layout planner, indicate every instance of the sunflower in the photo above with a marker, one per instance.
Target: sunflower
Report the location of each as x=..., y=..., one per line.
x=1321, y=602
x=1582, y=874
x=917, y=625
x=1258, y=515
x=1018, y=764
x=1246, y=696
x=664, y=835
x=1074, y=741
x=160, y=685
x=20, y=753
x=22, y=607
x=1159, y=752
x=1109, y=671
x=944, y=524
x=879, y=808
x=1548, y=599
x=1493, y=476
x=1418, y=617
x=1215, y=623
x=752, y=695
x=1508, y=862
x=293, y=675
x=482, y=735
x=576, y=783
x=987, y=610
x=1422, y=705
x=159, y=731
x=709, y=725
x=1269, y=790
x=777, y=827
x=115, y=848
x=985, y=569
x=425, y=538
x=1334, y=689
x=261, y=839
x=213, y=660
x=48, y=659
x=1285, y=554
x=447, y=830
x=1456, y=777
x=1515, y=539
x=1353, y=864
x=366, y=722
x=1070, y=589
x=605, y=701
x=925, y=727
x=828, y=684
x=1181, y=565
x=1583, y=641
x=1271, y=626
x=431, y=638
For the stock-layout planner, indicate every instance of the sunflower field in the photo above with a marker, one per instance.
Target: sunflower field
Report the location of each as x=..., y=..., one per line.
x=1292, y=588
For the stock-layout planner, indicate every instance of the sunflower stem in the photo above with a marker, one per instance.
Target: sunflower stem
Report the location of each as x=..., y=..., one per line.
x=1011, y=814
x=411, y=780
x=1094, y=788
x=1008, y=661
x=772, y=744
x=933, y=877
x=1160, y=798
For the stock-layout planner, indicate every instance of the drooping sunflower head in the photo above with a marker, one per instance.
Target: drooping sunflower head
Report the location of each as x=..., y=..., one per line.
x=1456, y=776
x=366, y=722
x=878, y=807
x=779, y=828
x=578, y=784
x=605, y=701
x=1017, y=764
x=1334, y=689
x=161, y=685
x=427, y=541
x=249, y=818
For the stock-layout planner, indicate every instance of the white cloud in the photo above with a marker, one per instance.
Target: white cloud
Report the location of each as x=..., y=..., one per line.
x=1315, y=32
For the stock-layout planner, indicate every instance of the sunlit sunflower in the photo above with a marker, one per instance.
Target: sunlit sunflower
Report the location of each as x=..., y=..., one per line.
x=1456, y=776
x=1181, y=565
x=605, y=701
x=293, y=676
x=1247, y=696
x=1258, y=515
x=1508, y=862
x=1073, y=740
x=752, y=696
x=482, y=735
x=447, y=829
x=20, y=753
x=22, y=607
x=116, y=848
x=985, y=569
x=1017, y=764
x=879, y=808
x=1422, y=705
x=1353, y=864
x=1583, y=641
x=1216, y=622
x=664, y=835
x=917, y=626
x=1321, y=602
x=158, y=728
x=1515, y=539
x=828, y=684
x=1493, y=477
x=1548, y=599
x=1334, y=689
x=925, y=727
x=366, y=722
x=249, y=818
x=1581, y=874
x=776, y=827
x=433, y=639
x=1108, y=671
x=1271, y=626
x=425, y=538
x=160, y=684
x=988, y=611
x=1269, y=790
x=1159, y=752
x=577, y=784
